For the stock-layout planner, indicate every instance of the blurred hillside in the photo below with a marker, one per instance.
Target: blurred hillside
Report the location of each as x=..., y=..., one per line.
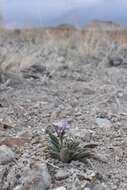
x=20, y=48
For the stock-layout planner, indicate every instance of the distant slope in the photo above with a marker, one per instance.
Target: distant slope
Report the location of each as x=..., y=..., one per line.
x=104, y=26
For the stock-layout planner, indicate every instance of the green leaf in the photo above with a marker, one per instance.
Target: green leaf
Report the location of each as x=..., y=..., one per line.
x=53, y=138
x=54, y=141
x=53, y=148
x=54, y=154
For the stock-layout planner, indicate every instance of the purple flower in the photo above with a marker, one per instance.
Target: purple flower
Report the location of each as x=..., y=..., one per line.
x=61, y=126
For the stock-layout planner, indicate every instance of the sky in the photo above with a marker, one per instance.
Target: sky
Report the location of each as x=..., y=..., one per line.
x=36, y=13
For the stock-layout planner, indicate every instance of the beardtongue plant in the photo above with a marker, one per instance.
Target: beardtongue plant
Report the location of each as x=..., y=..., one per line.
x=60, y=128
x=67, y=148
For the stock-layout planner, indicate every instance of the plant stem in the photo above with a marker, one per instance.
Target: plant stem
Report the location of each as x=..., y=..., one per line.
x=61, y=141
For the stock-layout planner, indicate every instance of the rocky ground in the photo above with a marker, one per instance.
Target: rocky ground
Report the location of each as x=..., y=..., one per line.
x=42, y=83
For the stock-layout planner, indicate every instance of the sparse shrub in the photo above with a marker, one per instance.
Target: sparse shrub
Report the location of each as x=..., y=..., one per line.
x=67, y=148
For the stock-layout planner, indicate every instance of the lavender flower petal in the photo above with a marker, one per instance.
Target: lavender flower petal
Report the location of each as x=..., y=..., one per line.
x=61, y=126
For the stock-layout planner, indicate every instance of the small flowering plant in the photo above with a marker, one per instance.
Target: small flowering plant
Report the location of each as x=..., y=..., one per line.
x=67, y=148
x=60, y=128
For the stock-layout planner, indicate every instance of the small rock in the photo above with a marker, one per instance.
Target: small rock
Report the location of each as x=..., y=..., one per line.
x=103, y=122
x=61, y=59
x=7, y=125
x=61, y=174
x=35, y=178
x=19, y=187
x=115, y=61
x=60, y=188
x=88, y=176
x=102, y=158
x=101, y=187
x=114, y=187
x=6, y=154
x=89, y=186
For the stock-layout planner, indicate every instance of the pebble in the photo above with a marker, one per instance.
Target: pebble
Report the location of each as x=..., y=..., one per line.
x=6, y=154
x=35, y=177
x=61, y=59
x=101, y=187
x=103, y=122
x=60, y=188
x=88, y=188
x=61, y=174
x=102, y=158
